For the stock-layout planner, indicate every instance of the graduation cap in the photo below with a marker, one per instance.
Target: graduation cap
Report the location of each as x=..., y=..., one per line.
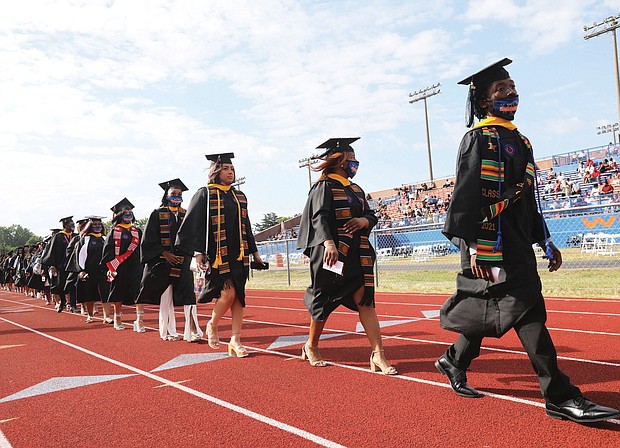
x=175, y=183
x=487, y=75
x=65, y=220
x=93, y=218
x=122, y=204
x=478, y=83
x=334, y=145
x=81, y=220
x=221, y=157
x=55, y=230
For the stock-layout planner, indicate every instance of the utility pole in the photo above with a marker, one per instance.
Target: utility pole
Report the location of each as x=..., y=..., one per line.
x=307, y=162
x=422, y=95
x=610, y=24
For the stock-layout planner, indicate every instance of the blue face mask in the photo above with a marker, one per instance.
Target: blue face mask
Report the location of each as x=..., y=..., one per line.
x=97, y=229
x=71, y=228
x=175, y=201
x=506, y=108
x=351, y=168
x=128, y=217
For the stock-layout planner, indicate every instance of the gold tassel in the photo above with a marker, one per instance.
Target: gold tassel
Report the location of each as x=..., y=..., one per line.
x=218, y=261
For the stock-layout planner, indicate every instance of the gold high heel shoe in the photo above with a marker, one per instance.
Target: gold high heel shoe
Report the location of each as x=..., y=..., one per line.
x=388, y=370
x=239, y=350
x=212, y=337
x=315, y=361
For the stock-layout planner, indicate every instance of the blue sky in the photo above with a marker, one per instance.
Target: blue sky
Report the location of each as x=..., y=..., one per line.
x=105, y=99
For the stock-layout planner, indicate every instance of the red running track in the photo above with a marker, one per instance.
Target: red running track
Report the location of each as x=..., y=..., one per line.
x=67, y=383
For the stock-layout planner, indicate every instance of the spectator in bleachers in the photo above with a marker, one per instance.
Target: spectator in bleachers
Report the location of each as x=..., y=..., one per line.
x=566, y=188
x=606, y=187
x=551, y=174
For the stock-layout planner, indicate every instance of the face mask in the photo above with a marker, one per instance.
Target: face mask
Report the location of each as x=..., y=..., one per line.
x=71, y=228
x=128, y=217
x=97, y=229
x=351, y=168
x=506, y=108
x=175, y=201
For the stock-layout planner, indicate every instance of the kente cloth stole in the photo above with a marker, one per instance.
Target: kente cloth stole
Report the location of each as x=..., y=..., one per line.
x=165, y=222
x=218, y=219
x=343, y=214
x=495, y=195
x=120, y=258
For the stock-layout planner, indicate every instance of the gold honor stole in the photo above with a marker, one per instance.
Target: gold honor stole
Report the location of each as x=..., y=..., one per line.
x=218, y=219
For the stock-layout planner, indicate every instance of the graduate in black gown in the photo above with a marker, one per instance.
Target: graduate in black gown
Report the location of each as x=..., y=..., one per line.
x=230, y=241
x=494, y=219
x=72, y=267
x=55, y=259
x=121, y=256
x=334, y=231
x=167, y=280
x=36, y=282
x=92, y=285
x=19, y=269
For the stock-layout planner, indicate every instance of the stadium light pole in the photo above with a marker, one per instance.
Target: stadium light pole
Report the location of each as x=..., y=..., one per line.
x=422, y=95
x=613, y=128
x=238, y=182
x=303, y=163
x=610, y=24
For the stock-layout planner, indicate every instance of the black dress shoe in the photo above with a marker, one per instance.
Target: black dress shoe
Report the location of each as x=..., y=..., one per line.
x=457, y=377
x=581, y=410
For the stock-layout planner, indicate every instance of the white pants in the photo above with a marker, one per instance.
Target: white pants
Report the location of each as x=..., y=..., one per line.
x=167, y=320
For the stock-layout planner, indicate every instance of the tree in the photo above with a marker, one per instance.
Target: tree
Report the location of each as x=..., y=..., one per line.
x=269, y=220
x=15, y=236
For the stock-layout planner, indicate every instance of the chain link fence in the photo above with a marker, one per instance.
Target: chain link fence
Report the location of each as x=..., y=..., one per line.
x=420, y=259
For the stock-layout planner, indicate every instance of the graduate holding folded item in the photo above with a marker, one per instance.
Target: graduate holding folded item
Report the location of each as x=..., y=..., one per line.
x=334, y=231
x=121, y=257
x=167, y=280
x=494, y=218
x=217, y=231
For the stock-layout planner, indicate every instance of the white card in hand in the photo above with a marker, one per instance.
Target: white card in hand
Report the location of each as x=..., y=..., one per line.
x=336, y=267
x=494, y=274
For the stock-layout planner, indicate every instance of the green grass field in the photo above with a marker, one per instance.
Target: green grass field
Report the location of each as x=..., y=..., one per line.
x=583, y=275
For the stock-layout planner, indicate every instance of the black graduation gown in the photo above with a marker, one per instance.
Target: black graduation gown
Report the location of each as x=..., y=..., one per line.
x=95, y=286
x=126, y=284
x=480, y=307
x=36, y=281
x=327, y=289
x=156, y=276
x=72, y=268
x=56, y=255
x=192, y=238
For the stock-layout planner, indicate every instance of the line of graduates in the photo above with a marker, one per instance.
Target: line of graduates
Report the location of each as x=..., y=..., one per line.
x=494, y=219
x=79, y=265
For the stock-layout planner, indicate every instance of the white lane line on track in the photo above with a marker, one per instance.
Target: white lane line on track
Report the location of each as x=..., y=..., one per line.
x=350, y=313
x=401, y=338
x=444, y=297
x=246, y=412
x=4, y=442
x=409, y=378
